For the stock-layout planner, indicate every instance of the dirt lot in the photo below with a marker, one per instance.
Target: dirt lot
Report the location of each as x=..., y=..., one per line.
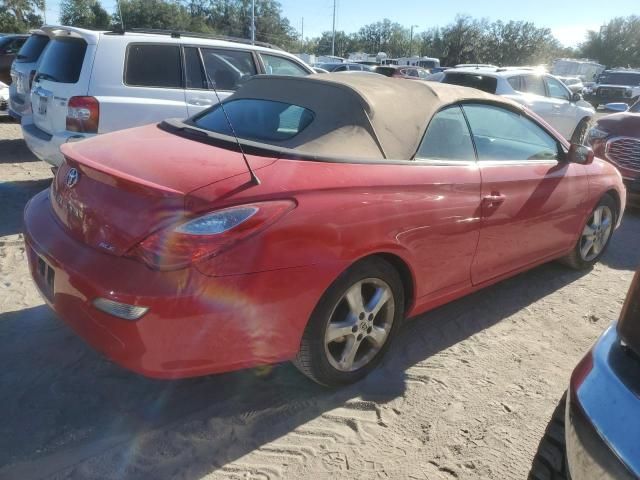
x=466, y=393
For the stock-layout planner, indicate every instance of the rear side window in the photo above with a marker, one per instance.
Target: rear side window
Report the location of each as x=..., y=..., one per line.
x=62, y=62
x=480, y=82
x=31, y=50
x=153, y=66
x=386, y=71
x=227, y=69
x=516, y=83
x=533, y=84
x=275, y=65
x=447, y=137
x=259, y=120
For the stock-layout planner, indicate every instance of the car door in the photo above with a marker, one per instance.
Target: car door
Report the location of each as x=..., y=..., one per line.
x=535, y=97
x=562, y=110
x=533, y=200
x=8, y=52
x=212, y=74
x=445, y=244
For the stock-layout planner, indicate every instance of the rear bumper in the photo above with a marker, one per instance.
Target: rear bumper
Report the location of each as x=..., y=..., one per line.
x=196, y=324
x=43, y=145
x=603, y=414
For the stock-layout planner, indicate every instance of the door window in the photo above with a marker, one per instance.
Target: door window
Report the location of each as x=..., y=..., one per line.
x=533, y=84
x=194, y=74
x=557, y=90
x=501, y=134
x=152, y=66
x=228, y=69
x=447, y=137
x=341, y=68
x=275, y=65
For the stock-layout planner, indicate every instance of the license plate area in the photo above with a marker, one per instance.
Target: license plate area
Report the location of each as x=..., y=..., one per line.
x=43, y=104
x=46, y=276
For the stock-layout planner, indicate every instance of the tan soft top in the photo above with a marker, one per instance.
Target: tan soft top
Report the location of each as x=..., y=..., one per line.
x=360, y=114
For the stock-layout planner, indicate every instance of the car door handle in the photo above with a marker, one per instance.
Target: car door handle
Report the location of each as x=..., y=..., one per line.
x=200, y=102
x=494, y=199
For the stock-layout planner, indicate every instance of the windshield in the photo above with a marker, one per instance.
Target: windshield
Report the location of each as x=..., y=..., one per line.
x=620, y=78
x=33, y=47
x=253, y=119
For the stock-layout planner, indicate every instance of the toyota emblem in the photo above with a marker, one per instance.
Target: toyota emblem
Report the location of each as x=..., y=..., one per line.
x=72, y=177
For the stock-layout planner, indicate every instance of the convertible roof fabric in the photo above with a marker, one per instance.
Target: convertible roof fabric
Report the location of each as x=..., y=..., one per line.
x=361, y=115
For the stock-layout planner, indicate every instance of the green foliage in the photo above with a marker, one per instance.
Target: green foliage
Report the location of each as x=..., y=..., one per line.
x=617, y=44
x=18, y=16
x=84, y=14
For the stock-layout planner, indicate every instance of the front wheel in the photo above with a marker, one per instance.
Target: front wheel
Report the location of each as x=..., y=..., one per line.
x=353, y=324
x=595, y=235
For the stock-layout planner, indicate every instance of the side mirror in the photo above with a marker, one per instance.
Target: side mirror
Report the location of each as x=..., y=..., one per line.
x=580, y=154
x=576, y=97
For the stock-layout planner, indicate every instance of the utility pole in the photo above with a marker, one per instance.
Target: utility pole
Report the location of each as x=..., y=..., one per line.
x=44, y=10
x=253, y=21
x=333, y=37
x=411, y=41
x=302, y=35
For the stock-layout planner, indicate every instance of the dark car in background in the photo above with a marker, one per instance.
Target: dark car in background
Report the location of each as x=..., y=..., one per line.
x=602, y=420
x=616, y=138
x=9, y=47
x=343, y=67
x=402, y=71
x=619, y=85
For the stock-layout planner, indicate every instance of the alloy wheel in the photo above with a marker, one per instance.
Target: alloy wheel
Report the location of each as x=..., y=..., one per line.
x=359, y=325
x=596, y=233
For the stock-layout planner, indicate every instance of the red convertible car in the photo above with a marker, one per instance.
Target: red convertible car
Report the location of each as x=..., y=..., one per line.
x=305, y=221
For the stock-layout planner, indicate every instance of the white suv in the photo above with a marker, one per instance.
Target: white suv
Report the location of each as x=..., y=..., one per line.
x=91, y=82
x=544, y=94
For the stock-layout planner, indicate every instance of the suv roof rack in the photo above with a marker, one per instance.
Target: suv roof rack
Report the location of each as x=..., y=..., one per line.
x=180, y=34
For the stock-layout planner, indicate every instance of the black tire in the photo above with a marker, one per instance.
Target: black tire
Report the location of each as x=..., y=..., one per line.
x=580, y=133
x=313, y=357
x=550, y=461
x=575, y=258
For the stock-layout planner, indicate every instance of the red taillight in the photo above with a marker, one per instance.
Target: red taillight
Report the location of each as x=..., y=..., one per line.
x=208, y=235
x=581, y=371
x=83, y=114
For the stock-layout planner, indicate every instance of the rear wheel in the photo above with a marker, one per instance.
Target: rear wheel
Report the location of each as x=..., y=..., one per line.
x=580, y=133
x=550, y=462
x=595, y=235
x=353, y=324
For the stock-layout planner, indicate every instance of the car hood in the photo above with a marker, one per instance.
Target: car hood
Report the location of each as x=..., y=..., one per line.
x=624, y=124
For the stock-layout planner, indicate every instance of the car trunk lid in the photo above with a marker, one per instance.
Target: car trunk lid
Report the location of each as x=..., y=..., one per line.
x=130, y=183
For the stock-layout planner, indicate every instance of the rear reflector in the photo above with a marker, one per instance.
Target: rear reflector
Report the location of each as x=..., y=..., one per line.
x=120, y=310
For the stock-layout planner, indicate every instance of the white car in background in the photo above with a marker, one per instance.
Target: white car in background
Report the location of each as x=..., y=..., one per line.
x=90, y=82
x=544, y=94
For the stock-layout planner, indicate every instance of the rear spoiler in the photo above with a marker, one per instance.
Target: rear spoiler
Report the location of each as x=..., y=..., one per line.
x=89, y=36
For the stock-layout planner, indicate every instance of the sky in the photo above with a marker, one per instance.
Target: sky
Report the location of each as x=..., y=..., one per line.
x=568, y=19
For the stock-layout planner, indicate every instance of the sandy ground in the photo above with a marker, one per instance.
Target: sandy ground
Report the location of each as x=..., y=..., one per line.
x=466, y=392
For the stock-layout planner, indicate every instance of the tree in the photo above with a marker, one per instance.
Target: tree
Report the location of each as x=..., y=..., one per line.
x=160, y=14
x=84, y=14
x=20, y=15
x=617, y=44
